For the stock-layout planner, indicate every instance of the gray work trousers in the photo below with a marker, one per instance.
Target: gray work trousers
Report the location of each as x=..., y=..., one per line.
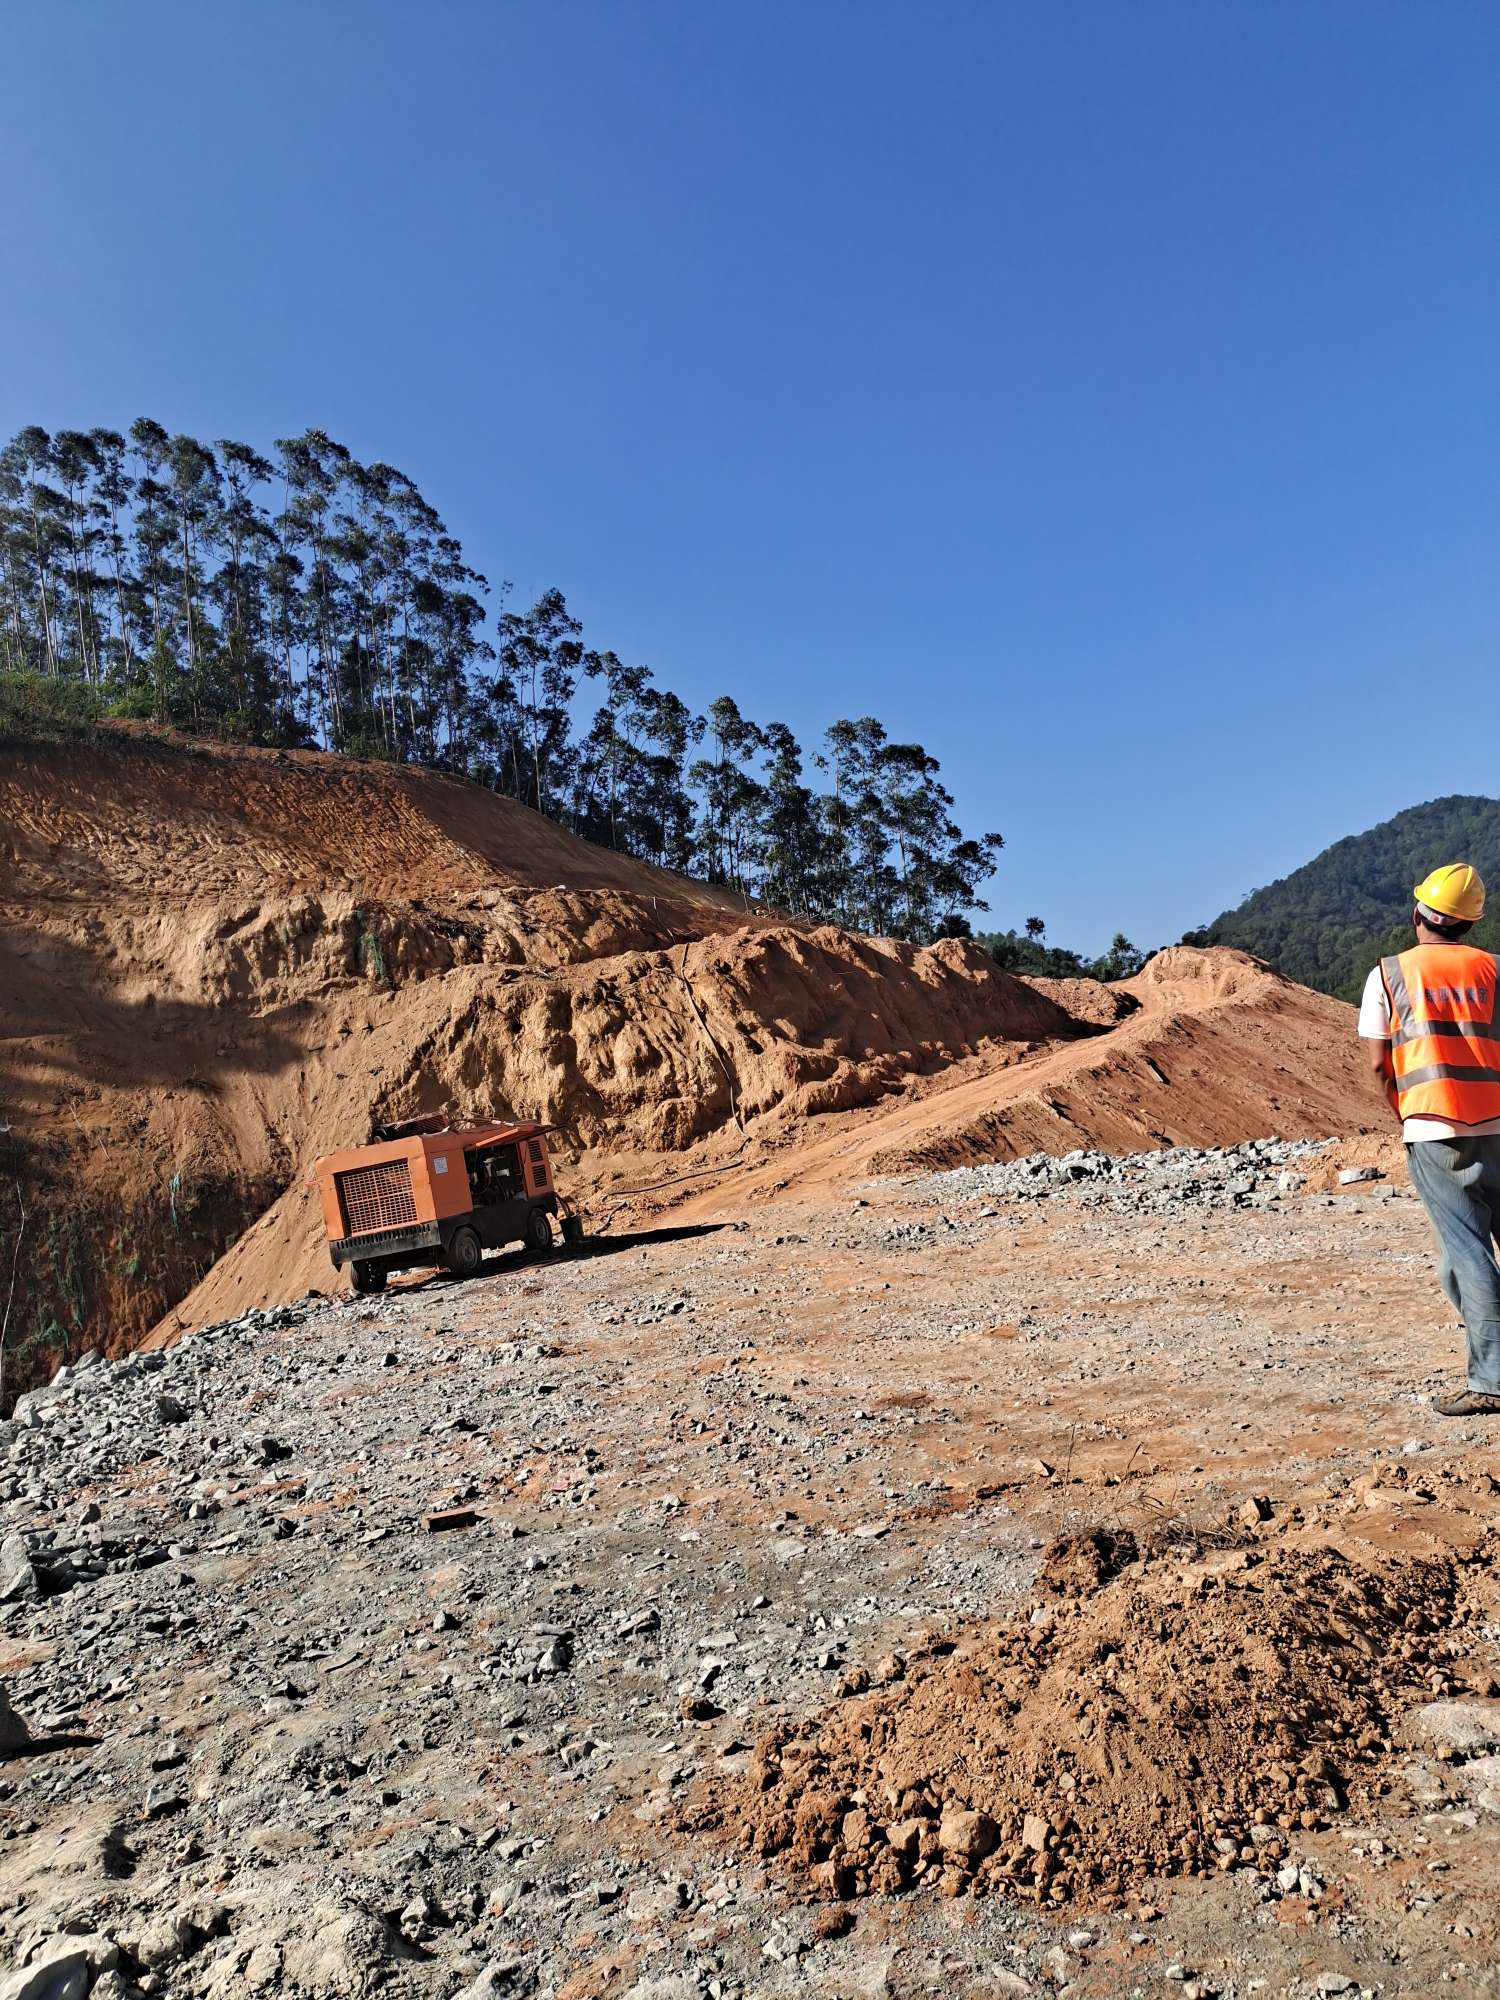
x=1459, y=1182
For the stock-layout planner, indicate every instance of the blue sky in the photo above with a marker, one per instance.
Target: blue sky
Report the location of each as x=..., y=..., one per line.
x=1103, y=394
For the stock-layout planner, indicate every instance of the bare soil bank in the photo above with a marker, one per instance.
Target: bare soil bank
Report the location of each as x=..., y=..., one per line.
x=216, y=964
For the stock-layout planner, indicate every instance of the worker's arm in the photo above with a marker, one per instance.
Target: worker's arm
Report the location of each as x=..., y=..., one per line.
x=1374, y=1031
x=1379, y=1057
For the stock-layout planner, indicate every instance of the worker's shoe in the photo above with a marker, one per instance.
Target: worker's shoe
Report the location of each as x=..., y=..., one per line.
x=1469, y=1403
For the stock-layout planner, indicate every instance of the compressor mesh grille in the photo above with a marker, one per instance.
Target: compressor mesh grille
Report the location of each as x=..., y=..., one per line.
x=377, y=1197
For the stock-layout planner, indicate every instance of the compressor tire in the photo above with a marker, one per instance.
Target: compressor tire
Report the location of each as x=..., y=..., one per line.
x=538, y=1232
x=464, y=1254
x=366, y=1277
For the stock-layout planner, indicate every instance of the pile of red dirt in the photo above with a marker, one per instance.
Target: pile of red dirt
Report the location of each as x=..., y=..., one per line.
x=1381, y=1150
x=1208, y=1048
x=1171, y=1717
x=1094, y=1003
x=1218, y=1048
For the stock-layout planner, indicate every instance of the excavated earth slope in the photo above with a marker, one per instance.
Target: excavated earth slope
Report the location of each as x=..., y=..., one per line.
x=216, y=964
x=1211, y=1048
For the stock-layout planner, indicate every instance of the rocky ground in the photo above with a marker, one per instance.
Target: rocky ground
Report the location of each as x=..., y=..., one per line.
x=404, y=1645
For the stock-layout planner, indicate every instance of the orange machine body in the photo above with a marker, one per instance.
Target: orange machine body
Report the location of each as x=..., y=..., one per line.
x=404, y=1201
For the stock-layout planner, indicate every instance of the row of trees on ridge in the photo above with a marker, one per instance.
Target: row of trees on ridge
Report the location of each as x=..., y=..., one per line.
x=302, y=598
x=1028, y=952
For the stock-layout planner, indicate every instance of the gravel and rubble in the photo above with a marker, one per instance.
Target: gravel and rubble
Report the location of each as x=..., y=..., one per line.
x=378, y=1645
x=1252, y=1175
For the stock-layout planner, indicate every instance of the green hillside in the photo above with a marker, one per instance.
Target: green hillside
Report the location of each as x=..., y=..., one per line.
x=1327, y=923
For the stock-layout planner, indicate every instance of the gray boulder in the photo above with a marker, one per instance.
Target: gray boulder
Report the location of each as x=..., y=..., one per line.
x=62, y=1970
x=18, y=1580
x=1461, y=1727
x=501, y=1979
x=14, y=1735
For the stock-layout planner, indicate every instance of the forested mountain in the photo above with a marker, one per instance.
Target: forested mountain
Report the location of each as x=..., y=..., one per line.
x=302, y=598
x=1327, y=923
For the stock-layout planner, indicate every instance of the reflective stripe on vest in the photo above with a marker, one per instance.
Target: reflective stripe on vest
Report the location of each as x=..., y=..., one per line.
x=1445, y=1048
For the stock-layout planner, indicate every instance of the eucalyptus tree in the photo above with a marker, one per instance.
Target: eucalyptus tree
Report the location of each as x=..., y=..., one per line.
x=540, y=656
x=732, y=795
x=460, y=646
x=242, y=589
x=385, y=553
x=113, y=492
x=311, y=468
x=610, y=778
x=194, y=497
x=30, y=453
x=75, y=463
x=670, y=730
x=789, y=825
x=20, y=561
x=501, y=719
x=862, y=881
x=834, y=894
x=153, y=537
x=407, y=527
x=355, y=551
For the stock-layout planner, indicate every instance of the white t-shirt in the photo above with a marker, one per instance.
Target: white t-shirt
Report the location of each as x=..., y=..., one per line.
x=1375, y=1026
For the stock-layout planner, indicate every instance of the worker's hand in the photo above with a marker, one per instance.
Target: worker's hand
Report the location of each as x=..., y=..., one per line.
x=1378, y=1055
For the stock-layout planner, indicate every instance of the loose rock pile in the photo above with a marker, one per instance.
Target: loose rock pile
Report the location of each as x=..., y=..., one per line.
x=1247, y=1176
x=93, y=1420
x=1179, y=1718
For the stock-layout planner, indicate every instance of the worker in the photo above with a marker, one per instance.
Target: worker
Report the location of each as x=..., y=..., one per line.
x=1428, y=1019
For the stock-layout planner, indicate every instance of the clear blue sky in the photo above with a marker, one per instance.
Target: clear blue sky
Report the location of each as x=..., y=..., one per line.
x=1105, y=394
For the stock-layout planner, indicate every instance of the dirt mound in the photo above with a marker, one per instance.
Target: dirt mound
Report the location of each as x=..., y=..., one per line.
x=1183, y=1717
x=1381, y=1150
x=1220, y=1049
x=1188, y=976
x=1093, y=1003
x=1181, y=979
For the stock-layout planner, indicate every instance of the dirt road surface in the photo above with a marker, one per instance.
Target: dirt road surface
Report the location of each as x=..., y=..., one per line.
x=414, y=1645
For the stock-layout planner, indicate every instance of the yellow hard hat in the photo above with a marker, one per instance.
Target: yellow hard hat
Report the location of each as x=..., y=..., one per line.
x=1455, y=892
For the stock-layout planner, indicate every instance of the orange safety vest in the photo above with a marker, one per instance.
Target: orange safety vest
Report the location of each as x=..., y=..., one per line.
x=1445, y=1041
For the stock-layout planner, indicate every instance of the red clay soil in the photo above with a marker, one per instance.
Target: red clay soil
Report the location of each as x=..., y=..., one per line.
x=1093, y=1003
x=1218, y=1049
x=158, y=812
x=1181, y=1716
